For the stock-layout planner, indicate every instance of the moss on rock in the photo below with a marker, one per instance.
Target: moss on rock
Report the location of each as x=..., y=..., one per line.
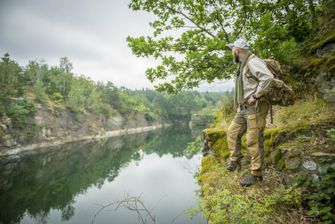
x=214, y=133
x=324, y=41
x=217, y=139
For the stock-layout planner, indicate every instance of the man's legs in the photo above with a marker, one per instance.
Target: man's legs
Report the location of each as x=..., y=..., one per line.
x=236, y=130
x=255, y=143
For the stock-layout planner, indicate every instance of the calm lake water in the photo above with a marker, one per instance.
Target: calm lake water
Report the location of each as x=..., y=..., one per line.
x=70, y=183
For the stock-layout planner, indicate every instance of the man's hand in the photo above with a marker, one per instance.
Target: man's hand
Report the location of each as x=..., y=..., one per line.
x=251, y=100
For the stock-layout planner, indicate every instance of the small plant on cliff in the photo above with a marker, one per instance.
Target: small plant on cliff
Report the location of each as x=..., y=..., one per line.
x=320, y=193
x=57, y=98
x=224, y=201
x=39, y=90
x=21, y=113
x=229, y=207
x=331, y=133
x=193, y=147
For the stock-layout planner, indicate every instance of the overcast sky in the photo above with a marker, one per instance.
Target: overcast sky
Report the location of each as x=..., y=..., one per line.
x=92, y=34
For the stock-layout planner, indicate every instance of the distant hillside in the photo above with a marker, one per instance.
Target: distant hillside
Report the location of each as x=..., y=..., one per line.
x=47, y=104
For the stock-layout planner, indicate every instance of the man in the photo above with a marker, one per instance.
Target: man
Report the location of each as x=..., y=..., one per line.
x=251, y=81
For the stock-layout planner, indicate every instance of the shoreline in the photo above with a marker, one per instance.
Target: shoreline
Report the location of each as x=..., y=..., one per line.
x=108, y=134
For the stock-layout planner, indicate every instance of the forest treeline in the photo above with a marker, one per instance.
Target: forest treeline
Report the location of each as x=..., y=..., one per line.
x=23, y=87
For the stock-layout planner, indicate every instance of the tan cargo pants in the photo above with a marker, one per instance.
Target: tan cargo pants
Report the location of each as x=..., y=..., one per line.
x=251, y=120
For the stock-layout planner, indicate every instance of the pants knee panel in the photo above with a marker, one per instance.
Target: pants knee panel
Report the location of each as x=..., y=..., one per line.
x=252, y=137
x=233, y=130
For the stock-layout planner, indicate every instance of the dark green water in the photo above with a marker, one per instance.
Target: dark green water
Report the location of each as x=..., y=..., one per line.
x=69, y=183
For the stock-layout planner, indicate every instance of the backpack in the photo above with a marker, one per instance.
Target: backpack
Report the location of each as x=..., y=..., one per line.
x=278, y=92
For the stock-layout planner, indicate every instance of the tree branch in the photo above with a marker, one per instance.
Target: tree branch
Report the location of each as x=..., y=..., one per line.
x=133, y=204
x=244, y=8
x=219, y=18
x=188, y=18
x=222, y=27
x=100, y=210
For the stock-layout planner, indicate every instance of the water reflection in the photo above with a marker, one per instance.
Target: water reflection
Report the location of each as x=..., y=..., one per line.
x=60, y=183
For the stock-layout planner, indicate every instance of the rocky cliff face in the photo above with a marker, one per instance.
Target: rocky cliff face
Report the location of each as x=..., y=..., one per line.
x=55, y=123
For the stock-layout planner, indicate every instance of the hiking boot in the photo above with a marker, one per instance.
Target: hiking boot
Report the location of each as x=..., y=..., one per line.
x=206, y=153
x=233, y=165
x=250, y=180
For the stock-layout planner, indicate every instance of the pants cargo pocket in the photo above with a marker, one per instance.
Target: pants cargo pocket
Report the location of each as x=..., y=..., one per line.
x=252, y=121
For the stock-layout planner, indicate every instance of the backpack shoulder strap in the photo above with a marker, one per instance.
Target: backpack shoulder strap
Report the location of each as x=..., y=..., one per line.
x=250, y=75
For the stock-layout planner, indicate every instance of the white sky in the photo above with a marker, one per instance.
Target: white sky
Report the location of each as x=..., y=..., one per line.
x=92, y=34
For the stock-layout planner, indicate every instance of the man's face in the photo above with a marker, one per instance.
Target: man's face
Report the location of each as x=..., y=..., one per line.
x=236, y=57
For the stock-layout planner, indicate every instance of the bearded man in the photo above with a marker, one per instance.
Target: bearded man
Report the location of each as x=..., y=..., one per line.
x=252, y=79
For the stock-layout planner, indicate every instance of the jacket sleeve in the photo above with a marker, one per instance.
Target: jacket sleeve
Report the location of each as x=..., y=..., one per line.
x=258, y=68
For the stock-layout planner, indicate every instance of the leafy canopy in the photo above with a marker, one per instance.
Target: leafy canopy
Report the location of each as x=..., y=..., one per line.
x=190, y=37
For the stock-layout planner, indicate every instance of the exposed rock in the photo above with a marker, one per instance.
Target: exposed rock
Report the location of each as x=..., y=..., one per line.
x=27, y=149
x=275, y=156
x=13, y=158
x=315, y=177
x=38, y=106
x=137, y=120
x=8, y=141
x=7, y=122
x=44, y=132
x=292, y=158
x=323, y=154
x=292, y=152
x=48, y=132
x=217, y=142
x=57, y=124
x=3, y=127
x=322, y=169
x=292, y=163
x=309, y=165
x=115, y=122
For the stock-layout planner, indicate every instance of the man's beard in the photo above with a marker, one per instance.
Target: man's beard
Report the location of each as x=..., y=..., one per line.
x=236, y=58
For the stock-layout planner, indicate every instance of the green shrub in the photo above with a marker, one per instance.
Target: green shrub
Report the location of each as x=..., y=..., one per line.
x=57, y=98
x=224, y=201
x=204, y=117
x=320, y=195
x=229, y=207
x=150, y=116
x=21, y=113
x=331, y=133
x=2, y=109
x=75, y=101
x=39, y=90
x=193, y=148
x=107, y=111
x=2, y=133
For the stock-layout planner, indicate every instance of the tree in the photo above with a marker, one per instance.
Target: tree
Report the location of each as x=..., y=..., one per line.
x=58, y=81
x=10, y=77
x=76, y=98
x=65, y=64
x=190, y=37
x=21, y=113
x=39, y=90
x=110, y=94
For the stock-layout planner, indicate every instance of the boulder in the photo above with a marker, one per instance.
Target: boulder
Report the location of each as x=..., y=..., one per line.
x=292, y=163
x=309, y=165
